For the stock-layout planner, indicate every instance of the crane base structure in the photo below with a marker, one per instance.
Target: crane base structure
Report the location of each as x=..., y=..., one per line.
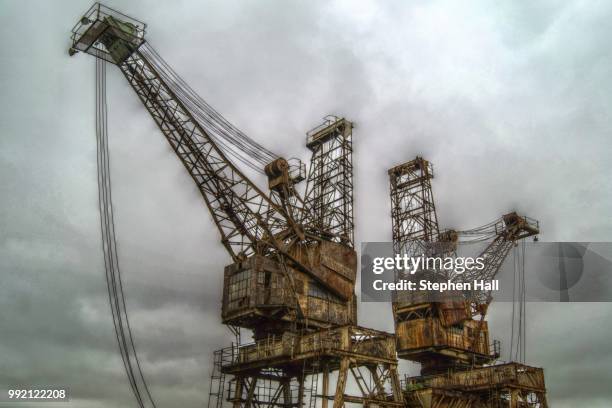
x=511, y=385
x=287, y=371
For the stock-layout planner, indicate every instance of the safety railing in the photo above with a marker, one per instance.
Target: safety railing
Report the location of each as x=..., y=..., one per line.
x=330, y=123
x=495, y=375
x=100, y=22
x=348, y=339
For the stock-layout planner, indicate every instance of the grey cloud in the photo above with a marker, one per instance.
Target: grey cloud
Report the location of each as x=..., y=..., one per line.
x=511, y=103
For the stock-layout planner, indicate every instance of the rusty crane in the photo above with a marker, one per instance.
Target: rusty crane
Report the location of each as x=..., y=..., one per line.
x=293, y=267
x=449, y=337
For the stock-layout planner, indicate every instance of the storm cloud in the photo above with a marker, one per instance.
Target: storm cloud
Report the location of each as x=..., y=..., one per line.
x=511, y=102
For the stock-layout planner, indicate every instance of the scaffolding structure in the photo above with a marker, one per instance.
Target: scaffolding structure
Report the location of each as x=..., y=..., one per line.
x=329, y=194
x=413, y=212
x=348, y=364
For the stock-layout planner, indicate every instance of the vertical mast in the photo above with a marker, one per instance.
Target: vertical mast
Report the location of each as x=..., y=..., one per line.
x=329, y=195
x=413, y=212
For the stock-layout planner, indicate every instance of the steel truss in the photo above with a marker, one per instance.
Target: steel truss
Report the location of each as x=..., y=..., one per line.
x=413, y=212
x=244, y=215
x=345, y=365
x=329, y=193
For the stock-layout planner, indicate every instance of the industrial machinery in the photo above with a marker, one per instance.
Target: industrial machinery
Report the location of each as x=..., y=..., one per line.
x=449, y=336
x=291, y=280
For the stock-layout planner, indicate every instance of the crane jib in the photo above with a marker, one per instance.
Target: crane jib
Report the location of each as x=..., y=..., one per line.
x=247, y=219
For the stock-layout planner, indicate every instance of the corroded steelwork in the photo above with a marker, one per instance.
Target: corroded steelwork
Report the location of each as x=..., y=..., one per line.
x=511, y=385
x=292, y=280
x=363, y=357
x=293, y=272
x=329, y=193
x=451, y=345
x=264, y=295
x=413, y=212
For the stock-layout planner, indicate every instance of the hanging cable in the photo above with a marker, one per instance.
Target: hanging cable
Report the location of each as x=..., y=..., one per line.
x=524, y=303
x=481, y=234
x=229, y=138
x=238, y=136
x=518, y=335
x=513, y=320
x=123, y=332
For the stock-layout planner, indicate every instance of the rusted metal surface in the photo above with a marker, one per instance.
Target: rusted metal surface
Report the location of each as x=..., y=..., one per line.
x=364, y=360
x=357, y=343
x=508, y=375
x=418, y=339
x=437, y=398
x=293, y=278
x=329, y=192
x=259, y=292
x=453, y=312
x=254, y=289
x=100, y=24
x=445, y=337
x=505, y=385
x=333, y=265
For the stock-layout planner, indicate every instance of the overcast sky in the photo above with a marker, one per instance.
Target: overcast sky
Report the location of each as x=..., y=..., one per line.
x=511, y=102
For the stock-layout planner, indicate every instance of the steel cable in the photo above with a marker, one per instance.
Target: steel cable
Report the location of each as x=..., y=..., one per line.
x=238, y=135
x=123, y=332
x=229, y=138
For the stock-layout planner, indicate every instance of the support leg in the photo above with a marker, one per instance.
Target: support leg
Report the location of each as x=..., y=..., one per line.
x=302, y=380
x=341, y=384
x=237, y=392
x=325, y=386
x=251, y=393
x=287, y=393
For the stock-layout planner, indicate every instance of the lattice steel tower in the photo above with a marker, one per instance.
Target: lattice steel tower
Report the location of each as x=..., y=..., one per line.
x=329, y=195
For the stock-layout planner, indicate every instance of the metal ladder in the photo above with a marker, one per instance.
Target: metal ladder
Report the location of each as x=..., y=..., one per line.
x=217, y=382
x=311, y=391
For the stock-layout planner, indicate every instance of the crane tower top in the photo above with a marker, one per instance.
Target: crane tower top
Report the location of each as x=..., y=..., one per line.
x=107, y=33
